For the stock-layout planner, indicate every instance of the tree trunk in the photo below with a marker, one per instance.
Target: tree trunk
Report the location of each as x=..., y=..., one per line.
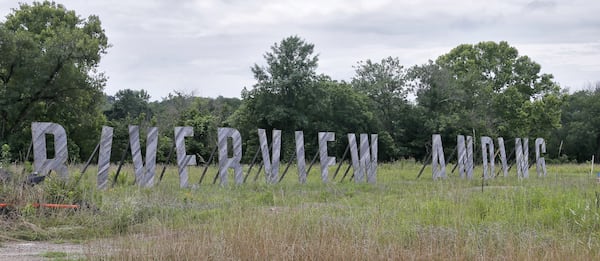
x=597, y=155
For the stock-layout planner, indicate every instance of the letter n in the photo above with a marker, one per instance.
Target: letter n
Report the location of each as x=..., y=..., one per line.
x=465, y=156
x=503, y=159
x=522, y=155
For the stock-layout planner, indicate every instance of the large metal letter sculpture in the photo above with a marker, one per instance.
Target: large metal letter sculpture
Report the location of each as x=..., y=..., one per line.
x=41, y=163
x=144, y=173
x=300, y=158
x=367, y=162
x=104, y=156
x=438, y=163
x=326, y=161
x=151, y=147
x=487, y=146
x=359, y=173
x=465, y=156
x=136, y=154
x=271, y=167
x=369, y=159
x=503, y=160
x=540, y=162
x=183, y=160
x=234, y=162
x=522, y=155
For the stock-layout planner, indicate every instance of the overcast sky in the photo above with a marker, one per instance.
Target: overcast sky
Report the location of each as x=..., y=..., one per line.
x=208, y=46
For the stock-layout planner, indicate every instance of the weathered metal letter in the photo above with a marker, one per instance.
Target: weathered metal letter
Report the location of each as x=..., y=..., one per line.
x=41, y=163
x=522, y=155
x=271, y=167
x=183, y=160
x=300, y=158
x=465, y=156
x=144, y=174
x=326, y=161
x=487, y=146
x=540, y=166
x=438, y=163
x=151, y=147
x=136, y=154
x=359, y=173
x=234, y=162
x=104, y=156
x=503, y=160
x=367, y=162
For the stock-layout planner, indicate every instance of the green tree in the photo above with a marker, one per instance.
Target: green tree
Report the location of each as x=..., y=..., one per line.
x=439, y=105
x=48, y=72
x=169, y=110
x=183, y=109
x=205, y=129
x=129, y=107
x=491, y=89
x=283, y=95
x=283, y=85
x=289, y=95
x=385, y=84
x=221, y=108
x=341, y=109
x=130, y=103
x=580, y=130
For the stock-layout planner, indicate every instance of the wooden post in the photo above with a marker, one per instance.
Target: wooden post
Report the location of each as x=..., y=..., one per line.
x=252, y=164
x=123, y=155
x=169, y=157
x=87, y=164
x=210, y=159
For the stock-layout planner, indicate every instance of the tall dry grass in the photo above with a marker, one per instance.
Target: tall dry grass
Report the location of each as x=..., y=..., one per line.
x=399, y=218
x=406, y=220
x=333, y=241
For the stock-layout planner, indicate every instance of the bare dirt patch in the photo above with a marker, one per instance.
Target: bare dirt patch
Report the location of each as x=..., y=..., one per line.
x=34, y=250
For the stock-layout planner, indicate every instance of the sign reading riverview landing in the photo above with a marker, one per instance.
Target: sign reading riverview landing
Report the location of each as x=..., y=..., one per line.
x=363, y=158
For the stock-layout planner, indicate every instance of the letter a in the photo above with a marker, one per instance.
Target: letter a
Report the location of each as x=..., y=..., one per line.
x=438, y=163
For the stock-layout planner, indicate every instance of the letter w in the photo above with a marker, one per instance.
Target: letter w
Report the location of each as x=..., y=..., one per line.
x=367, y=163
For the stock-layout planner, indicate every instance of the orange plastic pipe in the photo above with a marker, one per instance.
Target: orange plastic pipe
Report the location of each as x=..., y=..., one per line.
x=36, y=205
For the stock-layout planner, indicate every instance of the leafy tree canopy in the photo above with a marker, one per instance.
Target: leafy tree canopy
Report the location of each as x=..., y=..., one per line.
x=488, y=87
x=129, y=103
x=48, y=72
x=283, y=87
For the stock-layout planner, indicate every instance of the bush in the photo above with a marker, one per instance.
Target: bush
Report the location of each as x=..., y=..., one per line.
x=5, y=156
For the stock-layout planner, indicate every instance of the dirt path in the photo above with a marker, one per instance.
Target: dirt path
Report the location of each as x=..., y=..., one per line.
x=28, y=251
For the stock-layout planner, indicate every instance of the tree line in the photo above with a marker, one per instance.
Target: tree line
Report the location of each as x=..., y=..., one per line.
x=49, y=72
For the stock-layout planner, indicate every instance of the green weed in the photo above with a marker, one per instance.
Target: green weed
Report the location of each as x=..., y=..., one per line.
x=400, y=217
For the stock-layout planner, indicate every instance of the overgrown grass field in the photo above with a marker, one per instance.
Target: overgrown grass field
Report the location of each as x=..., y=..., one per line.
x=400, y=217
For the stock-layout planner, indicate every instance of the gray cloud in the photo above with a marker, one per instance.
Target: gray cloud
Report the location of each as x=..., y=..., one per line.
x=208, y=46
x=540, y=5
